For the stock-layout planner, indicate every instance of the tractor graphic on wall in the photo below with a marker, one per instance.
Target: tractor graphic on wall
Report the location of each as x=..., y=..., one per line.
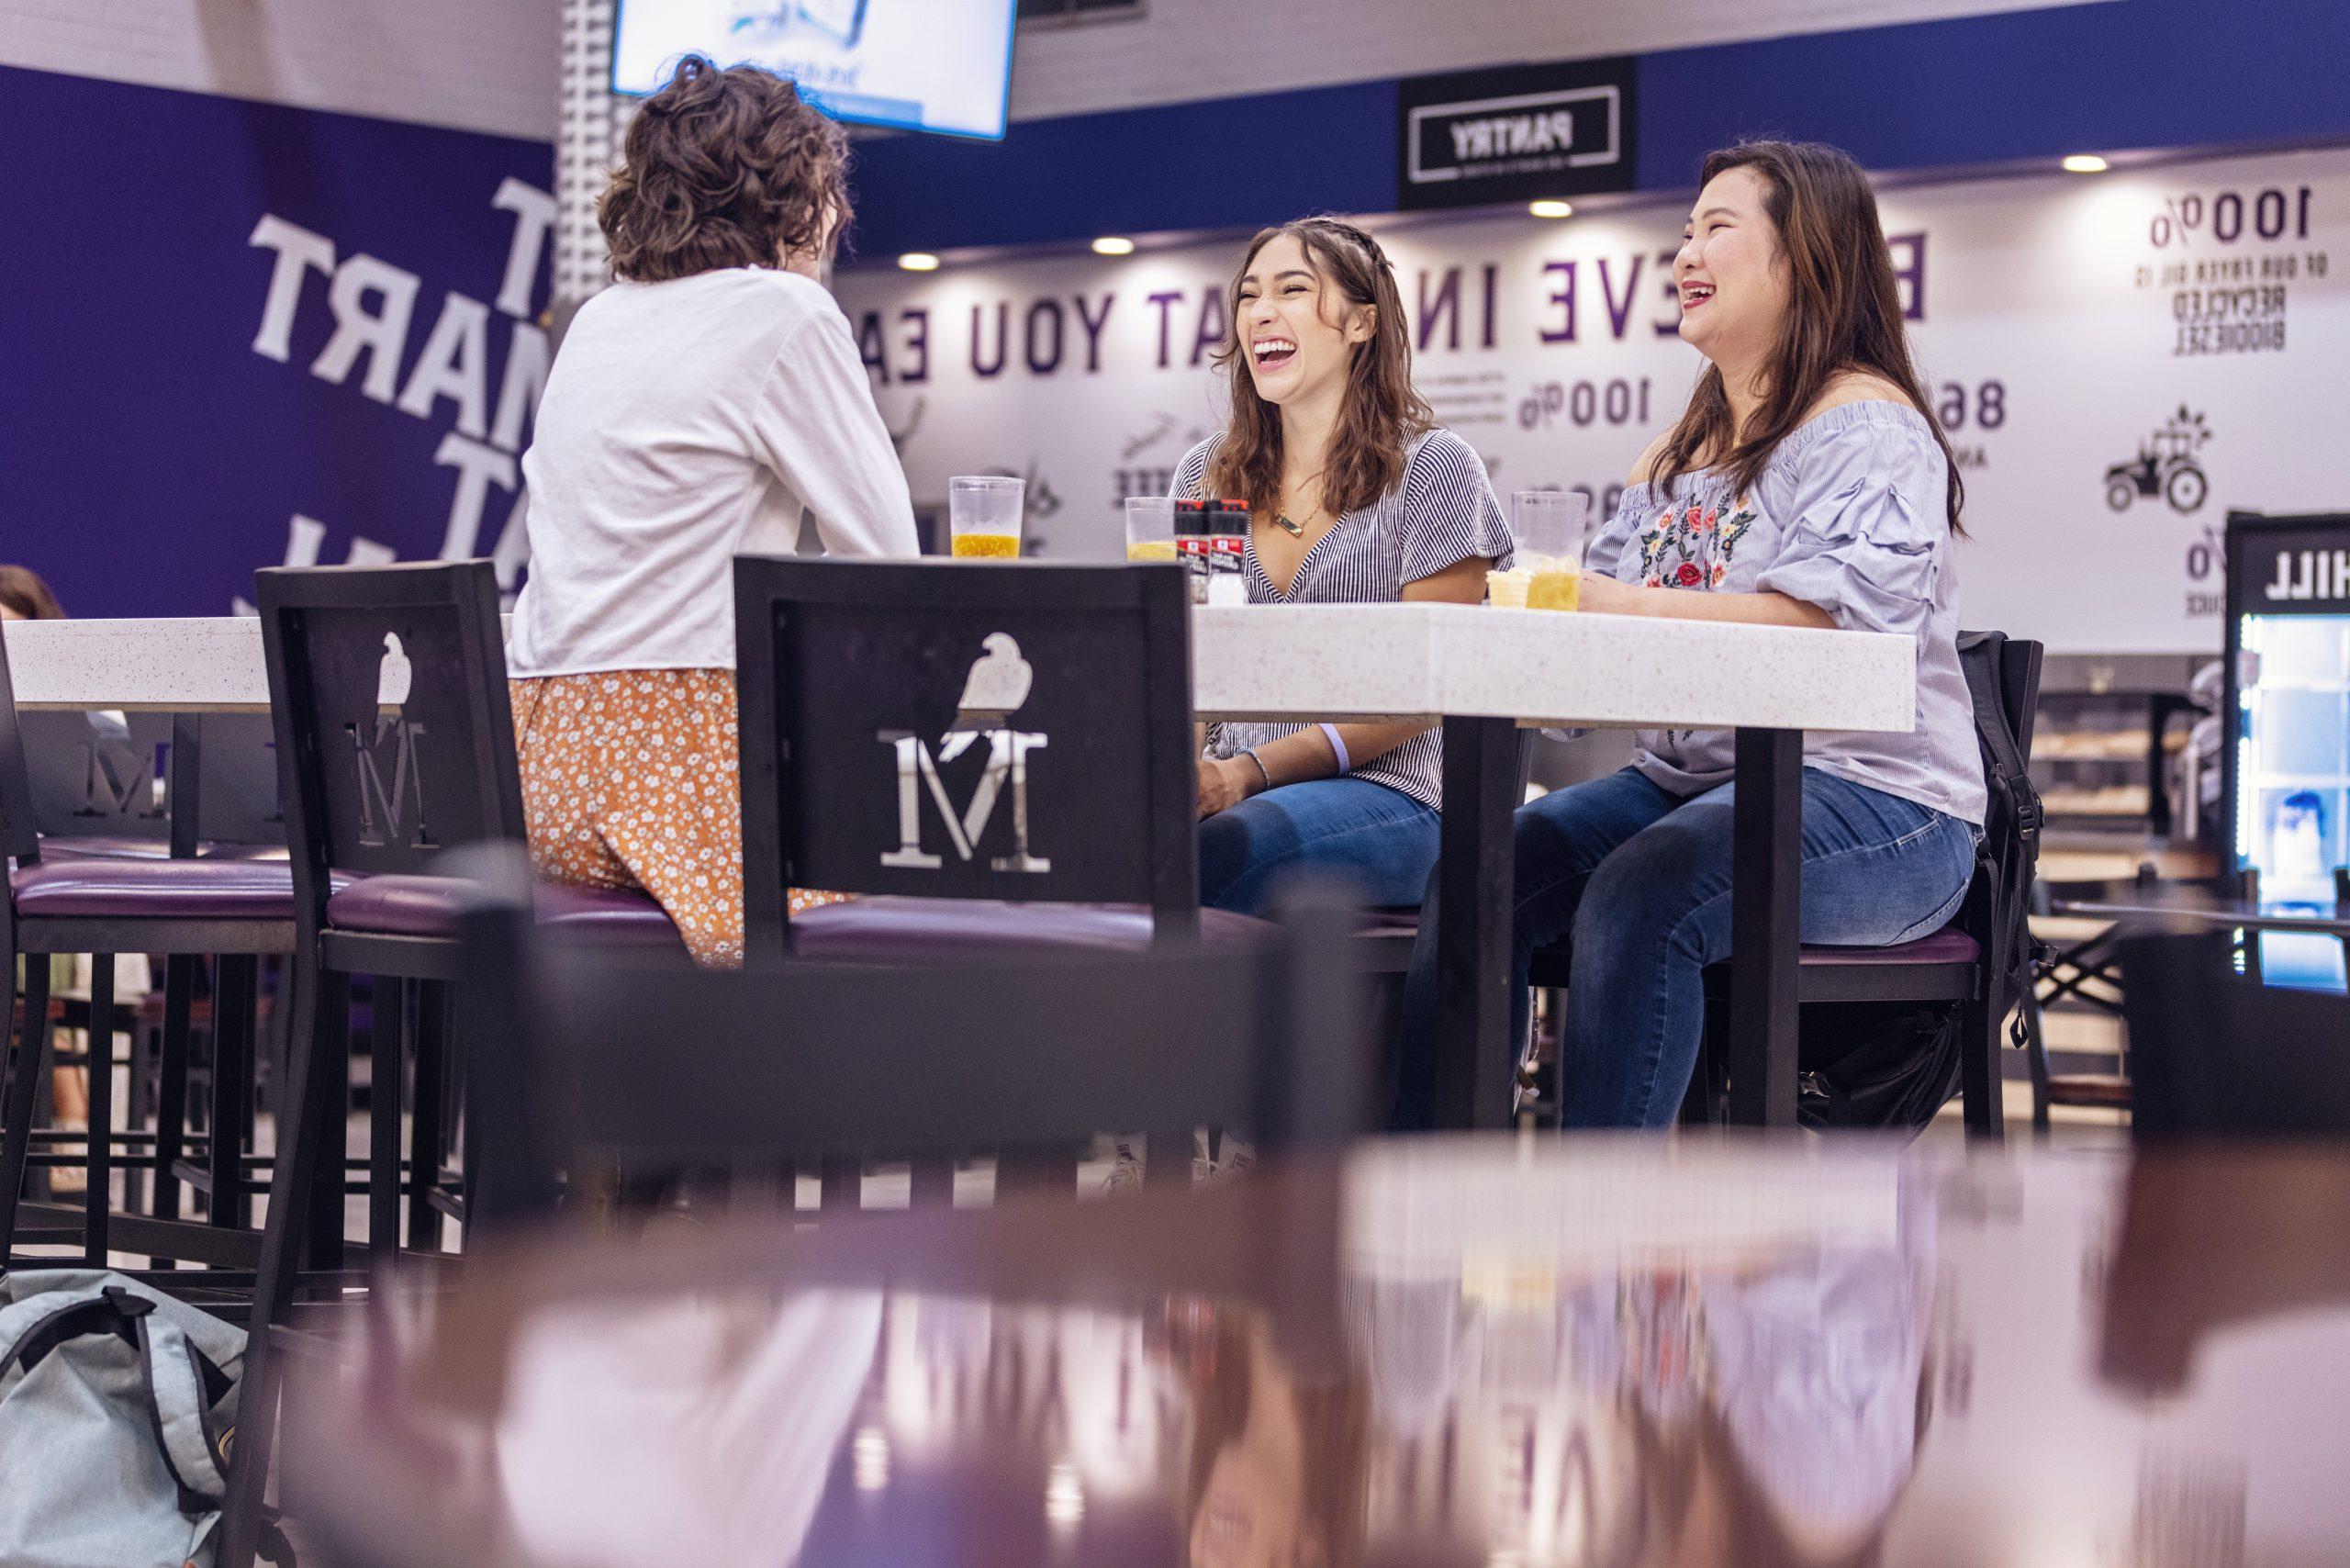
x=2165, y=468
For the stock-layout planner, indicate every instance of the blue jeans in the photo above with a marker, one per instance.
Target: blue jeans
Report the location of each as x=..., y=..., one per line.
x=1380, y=841
x=1637, y=880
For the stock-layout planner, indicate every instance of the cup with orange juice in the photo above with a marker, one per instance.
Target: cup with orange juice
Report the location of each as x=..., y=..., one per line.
x=1549, y=529
x=984, y=512
x=1150, y=528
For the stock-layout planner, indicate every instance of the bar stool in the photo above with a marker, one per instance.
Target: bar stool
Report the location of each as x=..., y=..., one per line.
x=113, y=893
x=388, y=689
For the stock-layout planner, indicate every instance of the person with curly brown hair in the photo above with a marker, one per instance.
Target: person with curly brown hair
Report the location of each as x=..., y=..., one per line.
x=697, y=408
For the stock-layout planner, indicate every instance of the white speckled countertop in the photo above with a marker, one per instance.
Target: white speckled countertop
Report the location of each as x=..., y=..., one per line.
x=1401, y=661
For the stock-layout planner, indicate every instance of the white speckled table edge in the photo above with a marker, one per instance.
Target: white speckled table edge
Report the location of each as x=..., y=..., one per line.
x=1407, y=662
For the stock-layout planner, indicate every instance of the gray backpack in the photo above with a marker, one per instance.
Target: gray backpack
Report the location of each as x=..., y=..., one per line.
x=115, y=1408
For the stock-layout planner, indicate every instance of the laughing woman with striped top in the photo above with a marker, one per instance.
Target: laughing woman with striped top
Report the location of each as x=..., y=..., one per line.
x=1356, y=498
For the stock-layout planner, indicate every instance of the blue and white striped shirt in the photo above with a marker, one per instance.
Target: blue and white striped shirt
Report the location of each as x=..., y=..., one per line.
x=1442, y=513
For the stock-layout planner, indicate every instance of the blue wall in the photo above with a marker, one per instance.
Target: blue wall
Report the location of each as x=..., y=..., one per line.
x=2127, y=74
x=149, y=459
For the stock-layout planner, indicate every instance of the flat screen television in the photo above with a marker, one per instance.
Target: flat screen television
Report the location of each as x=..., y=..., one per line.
x=939, y=65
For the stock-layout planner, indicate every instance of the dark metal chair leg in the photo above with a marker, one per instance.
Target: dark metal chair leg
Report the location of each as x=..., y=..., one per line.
x=1047, y=1170
x=232, y=1065
x=309, y=1139
x=97, y=1163
x=171, y=1104
x=1981, y=1091
x=843, y=1182
x=389, y=1050
x=930, y=1183
x=330, y=1074
x=2035, y=1045
x=427, y=1144
x=24, y=1086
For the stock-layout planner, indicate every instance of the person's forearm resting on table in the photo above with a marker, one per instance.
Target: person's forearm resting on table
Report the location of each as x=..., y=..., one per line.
x=1606, y=596
x=1225, y=782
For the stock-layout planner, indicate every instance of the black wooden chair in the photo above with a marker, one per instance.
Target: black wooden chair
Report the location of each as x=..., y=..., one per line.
x=1001, y=756
x=1971, y=961
x=387, y=686
x=859, y=1060
x=127, y=870
x=2218, y=1050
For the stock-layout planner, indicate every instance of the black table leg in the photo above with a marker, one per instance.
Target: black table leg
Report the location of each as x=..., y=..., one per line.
x=1766, y=881
x=1476, y=1060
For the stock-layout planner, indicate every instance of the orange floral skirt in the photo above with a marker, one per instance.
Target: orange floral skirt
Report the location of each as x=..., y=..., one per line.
x=632, y=778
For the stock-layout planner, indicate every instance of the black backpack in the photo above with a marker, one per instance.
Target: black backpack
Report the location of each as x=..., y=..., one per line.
x=1892, y=1065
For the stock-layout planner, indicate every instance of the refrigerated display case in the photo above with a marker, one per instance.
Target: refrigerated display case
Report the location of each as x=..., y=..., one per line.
x=2287, y=766
x=2288, y=688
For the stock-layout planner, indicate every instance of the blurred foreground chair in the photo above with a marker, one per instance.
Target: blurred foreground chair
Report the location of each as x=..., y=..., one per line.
x=867, y=1061
x=998, y=758
x=2216, y=1052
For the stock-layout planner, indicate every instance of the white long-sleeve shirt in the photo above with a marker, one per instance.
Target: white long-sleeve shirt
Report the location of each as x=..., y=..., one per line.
x=685, y=422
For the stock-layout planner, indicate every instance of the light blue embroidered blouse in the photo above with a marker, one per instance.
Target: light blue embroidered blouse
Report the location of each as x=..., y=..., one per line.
x=1850, y=515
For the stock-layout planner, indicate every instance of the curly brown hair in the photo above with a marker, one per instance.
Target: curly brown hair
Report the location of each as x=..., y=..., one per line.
x=1382, y=413
x=728, y=168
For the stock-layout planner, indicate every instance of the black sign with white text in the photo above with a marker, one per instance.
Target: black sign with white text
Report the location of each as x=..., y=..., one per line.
x=1515, y=134
x=2290, y=567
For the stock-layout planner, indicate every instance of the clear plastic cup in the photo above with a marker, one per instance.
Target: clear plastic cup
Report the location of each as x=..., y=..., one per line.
x=984, y=512
x=1150, y=528
x=1549, y=525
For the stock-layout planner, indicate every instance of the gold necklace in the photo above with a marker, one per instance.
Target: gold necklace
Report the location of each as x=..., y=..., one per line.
x=1297, y=530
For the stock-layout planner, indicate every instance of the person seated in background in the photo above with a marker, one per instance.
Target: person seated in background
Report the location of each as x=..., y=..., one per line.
x=1806, y=485
x=696, y=408
x=1356, y=497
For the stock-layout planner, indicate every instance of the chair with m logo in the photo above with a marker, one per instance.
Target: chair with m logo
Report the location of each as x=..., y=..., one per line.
x=388, y=689
x=997, y=758
x=136, y=834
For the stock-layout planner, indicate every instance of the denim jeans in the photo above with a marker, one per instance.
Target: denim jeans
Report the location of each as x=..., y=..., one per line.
x=1378, y=841
x=1637, y=879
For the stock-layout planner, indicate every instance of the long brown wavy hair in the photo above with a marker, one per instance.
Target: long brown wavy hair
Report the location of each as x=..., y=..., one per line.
x=722, y=169
x=1382, y=414
x=1844, y=313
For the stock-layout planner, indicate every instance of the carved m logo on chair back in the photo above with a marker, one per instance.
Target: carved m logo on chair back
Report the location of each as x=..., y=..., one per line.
x=382, y=813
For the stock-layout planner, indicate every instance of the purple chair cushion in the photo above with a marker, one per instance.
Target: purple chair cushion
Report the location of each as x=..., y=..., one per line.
x=103, y=846
x=913, y=930
x=429, y=906
x=178, y=890
x=1948, y=946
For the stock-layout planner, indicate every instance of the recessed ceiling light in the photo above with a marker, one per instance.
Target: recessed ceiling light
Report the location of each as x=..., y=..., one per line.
x=2084, y=163
x=1113, y=245
x=918, y=261
x=1548, y=208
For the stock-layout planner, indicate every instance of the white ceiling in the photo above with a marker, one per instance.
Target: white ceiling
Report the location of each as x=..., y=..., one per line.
x=474, y=64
